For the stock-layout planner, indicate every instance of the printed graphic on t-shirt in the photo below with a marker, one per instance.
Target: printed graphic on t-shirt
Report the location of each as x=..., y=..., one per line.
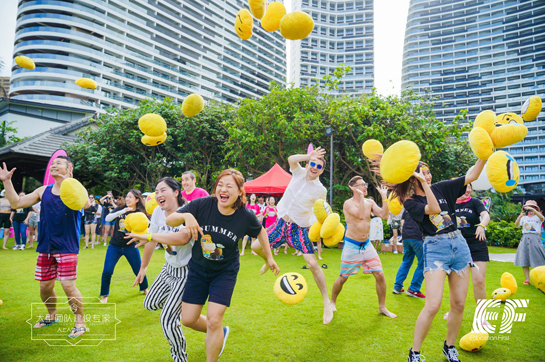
x=122, y=225
x=462, y=222
x=441, y=221
x=528, y=227
x=211, y=250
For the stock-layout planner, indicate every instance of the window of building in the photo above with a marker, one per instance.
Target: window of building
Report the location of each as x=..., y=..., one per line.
x=349, y=32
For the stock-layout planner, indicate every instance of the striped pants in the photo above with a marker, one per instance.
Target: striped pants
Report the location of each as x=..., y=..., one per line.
x=166, y=293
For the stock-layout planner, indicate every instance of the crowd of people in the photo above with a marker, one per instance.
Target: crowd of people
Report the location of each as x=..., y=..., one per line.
x=441, y=225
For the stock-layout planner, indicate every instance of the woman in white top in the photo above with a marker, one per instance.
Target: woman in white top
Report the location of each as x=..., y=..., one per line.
x=166, y=291
x=530, y=252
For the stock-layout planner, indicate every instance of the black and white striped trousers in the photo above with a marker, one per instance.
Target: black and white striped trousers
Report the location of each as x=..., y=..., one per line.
x=166, y=293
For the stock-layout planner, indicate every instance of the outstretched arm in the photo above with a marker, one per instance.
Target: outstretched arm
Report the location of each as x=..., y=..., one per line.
x=295, y=159
x=181, y=237
x=475, y=172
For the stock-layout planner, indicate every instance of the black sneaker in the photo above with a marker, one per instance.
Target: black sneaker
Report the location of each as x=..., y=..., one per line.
x=451, y=353
x=415, y=356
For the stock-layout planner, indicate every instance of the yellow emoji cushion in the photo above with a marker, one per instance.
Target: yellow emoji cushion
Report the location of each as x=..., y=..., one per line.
x=138, y=223
x=486, y=120
x=296, y=25
x=481, y=143
x=330, y=225
x=193, y=104
x=336, y=238
x=399, y=162
x=502, y=171
x=275, y=13
x=508, y=281
x=153, y=141
x=25, y=62
x=473, y=341
x=86, y=83
x=509, y=130
x=151, y=203
x=372, y=146
x=257, y=7
x=152, y=125
x=531, y=108
x=501, y=294
x=290, y=288
x=537, y=277
x=73, y=194
x=321, y=210
x=244, y=24
x=314, y=231
x=394, y=205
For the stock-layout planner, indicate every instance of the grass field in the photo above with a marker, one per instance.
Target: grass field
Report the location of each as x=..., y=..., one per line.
x=263, y=328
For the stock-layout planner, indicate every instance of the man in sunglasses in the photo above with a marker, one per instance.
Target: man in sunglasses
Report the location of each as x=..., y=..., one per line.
x=295, y=211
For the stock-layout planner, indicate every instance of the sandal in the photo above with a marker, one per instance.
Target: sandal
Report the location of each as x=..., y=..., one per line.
x=47, y=322
x=324, y=266
x=305, y=267
x=526, y=282
x=77, y=330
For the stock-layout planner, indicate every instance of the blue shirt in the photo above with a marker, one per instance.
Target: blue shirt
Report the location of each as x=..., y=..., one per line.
x=59, y=230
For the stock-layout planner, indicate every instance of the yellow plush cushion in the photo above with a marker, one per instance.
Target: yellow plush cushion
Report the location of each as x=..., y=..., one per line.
x=394, y=205
x=73, y=194
x=508, y=281
x=509, y=130
x=138, y=223
x=321, y=210
x=502, y=171
x=473, y=341
x=501, y=294
x=481, y=143
x=372, y=146
x=486, y=120
x=399, y=162
x=25, y=62
x=314, y=231
x=336, y=238
x=537, y=277
x=275, y=13
x=86, y=83
x=152, y=125
x=257, y=7
x=151, y=203
x=531, y=108
x=296, y=25
x=193, y=104
x=290, y=288
x=153, y=141
x=244, y=24
x=329, y=226
x=127, y=223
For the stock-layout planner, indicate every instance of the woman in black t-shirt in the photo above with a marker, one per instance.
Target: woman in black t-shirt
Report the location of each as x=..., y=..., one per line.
x=119, y=244
x=472, y=219
x=217, y=223
x=445, y=250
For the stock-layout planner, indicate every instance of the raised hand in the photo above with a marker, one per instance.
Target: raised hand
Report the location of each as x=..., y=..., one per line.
x=5, y=175
x=360, y=192
x=383, y=191
x=420, y=176
x=317, y=152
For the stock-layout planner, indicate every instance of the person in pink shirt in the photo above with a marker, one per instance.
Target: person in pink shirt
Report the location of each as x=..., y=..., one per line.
x=191, y=192
x=257, y=211
x=270, y=213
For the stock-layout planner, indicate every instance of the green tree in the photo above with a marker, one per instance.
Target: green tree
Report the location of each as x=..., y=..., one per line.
x=8, y=133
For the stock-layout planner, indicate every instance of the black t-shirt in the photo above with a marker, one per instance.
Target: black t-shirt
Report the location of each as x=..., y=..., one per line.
x=446, y=193
x=107, y=207
x=21, y=214
x=218, y=249
x=89, y=213
x=118, y=237
x=410, y=230
x=467, y=216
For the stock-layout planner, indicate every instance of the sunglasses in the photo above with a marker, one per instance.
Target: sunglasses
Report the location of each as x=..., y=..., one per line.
x=314, y=164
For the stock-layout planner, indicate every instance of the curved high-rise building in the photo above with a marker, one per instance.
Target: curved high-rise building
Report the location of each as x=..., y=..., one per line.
x=140, y=48
x=343, y=34
x=480, y=55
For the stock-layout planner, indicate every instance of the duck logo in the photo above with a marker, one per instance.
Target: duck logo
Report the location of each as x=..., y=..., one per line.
x=290, y=288
x=483, y=320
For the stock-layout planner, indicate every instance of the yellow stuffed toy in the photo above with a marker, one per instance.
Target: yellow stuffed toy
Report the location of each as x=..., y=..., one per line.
x=153, y=141
x=257, y=7
x=290, y=288
x=508, y=281
x=537, y=277
x=127, y=223
x=330, y=225
x=275, y=12
x=296, y=25
x=151, y=203
x=336, y=238
x=86, y=83
x=473, y=341
x=370, y=147
x=73, y=194
x=193, y=104
x=321, y=210
x=509, y=130
x=394, y=205
x=138, y=223
x=314, y=231
x=501, y=294
x=244, y=24
x=25, y=62
x=531, y=108
x=502, y=171
x=152, y=125
x=481, y=144
x=399, y=162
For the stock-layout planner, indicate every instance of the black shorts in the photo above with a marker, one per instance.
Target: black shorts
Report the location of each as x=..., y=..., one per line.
x=216, y=287
x=4, y=221
x=478, y=249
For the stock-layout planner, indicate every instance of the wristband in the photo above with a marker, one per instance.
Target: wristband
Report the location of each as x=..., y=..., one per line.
x=149, y=236
x=484, y=227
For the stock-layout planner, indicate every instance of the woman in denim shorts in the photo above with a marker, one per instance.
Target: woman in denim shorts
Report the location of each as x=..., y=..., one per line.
x=446, y=252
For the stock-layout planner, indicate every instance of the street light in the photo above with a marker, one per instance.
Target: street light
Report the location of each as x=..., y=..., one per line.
x=329, y=132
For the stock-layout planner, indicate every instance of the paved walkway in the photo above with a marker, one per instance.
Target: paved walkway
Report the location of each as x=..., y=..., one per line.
x=509, y=257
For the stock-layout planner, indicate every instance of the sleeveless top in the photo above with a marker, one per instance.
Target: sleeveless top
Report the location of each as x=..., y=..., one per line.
x=59, y=230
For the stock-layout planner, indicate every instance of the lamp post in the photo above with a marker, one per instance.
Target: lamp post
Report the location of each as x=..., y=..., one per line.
x=329, y=132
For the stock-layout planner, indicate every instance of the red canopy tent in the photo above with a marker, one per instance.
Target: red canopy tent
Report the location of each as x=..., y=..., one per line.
x=273, y=181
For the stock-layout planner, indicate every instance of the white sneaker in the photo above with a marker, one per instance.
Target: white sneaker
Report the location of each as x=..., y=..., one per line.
x=225, y=335
x=15, y=247
x=104, y=244
x=21, y=247
x=395, y=251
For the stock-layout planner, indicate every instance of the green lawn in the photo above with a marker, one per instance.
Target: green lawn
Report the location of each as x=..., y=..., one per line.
x=501, y=250
x=262, y=328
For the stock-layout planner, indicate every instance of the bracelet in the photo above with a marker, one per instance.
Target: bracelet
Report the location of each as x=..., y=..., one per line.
x=149, y=236
x=484, y=227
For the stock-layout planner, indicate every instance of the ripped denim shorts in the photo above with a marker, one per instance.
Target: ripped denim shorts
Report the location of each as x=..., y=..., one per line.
x=448, y=252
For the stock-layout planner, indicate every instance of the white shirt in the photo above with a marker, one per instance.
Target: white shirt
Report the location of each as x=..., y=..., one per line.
x=530, y=225
x=158, y=224
x=299, y=197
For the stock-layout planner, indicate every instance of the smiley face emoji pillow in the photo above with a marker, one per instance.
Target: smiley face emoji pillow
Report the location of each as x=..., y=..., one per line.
x=290, y=288
x=502, y=171
x=244, y=24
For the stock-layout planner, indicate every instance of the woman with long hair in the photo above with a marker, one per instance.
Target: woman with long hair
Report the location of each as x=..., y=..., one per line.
x=254, y=207
x=91, y=222
x=119, y=245
x=217, y=223
x=446, y=252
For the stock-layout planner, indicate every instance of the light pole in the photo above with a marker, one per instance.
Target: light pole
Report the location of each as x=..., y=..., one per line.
x=329, y=132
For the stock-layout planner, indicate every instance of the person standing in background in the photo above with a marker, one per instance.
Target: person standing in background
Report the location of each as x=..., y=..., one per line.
x=33, y=222
x=108, y=205
x=530, y=252
x=5, y=217
x=19, y=218
x=191, y=192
